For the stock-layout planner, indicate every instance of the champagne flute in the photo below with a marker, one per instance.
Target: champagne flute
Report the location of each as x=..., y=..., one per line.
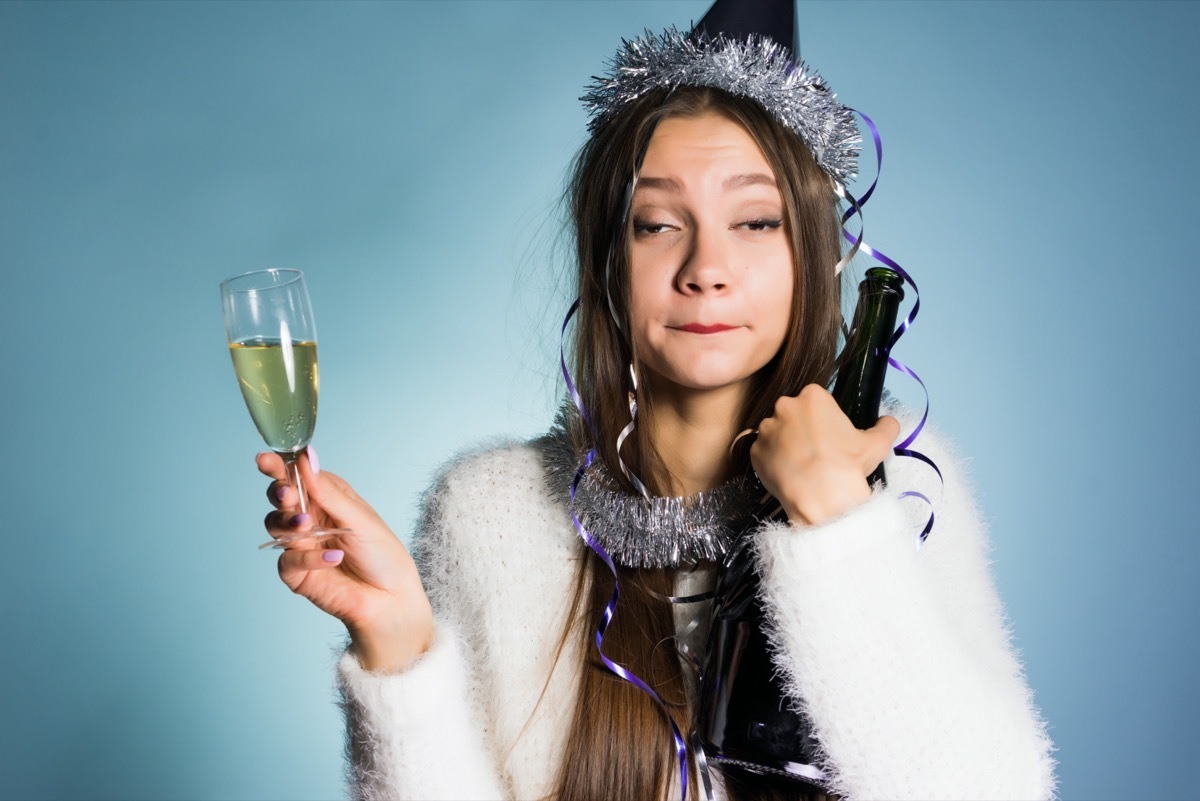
x=273, y=344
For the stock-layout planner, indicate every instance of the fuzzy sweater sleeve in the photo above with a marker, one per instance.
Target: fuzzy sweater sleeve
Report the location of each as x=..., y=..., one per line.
x=423, y=734
x=410, y=735
x=901, y=657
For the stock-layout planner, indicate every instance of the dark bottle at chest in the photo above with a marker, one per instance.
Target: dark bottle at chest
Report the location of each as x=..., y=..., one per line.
x=746, y=721
x=859, y=385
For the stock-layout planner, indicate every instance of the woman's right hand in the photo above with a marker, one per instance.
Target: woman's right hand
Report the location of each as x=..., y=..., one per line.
x=366, y=579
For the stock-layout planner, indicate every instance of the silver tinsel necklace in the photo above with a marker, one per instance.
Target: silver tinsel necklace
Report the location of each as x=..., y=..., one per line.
x=649, y=532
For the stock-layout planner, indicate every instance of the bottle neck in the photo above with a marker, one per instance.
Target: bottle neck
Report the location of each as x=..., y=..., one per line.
x=859, y=386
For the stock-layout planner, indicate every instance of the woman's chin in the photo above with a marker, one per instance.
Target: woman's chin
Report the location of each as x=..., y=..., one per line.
x=700, y=383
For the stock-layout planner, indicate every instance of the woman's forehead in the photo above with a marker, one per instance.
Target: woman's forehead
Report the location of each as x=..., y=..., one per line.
x=709, y=150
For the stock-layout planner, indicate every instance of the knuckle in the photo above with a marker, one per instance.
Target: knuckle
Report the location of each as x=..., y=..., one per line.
x=812, y=392
x=290, y=563
x=271, y=520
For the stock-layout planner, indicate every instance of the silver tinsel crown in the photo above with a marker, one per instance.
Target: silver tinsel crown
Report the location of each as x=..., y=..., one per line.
x=757, y=68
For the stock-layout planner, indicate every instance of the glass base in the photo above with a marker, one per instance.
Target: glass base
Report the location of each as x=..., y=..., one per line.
x=317, y=534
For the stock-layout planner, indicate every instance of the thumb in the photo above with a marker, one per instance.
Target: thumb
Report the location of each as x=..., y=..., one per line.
x=342, y=507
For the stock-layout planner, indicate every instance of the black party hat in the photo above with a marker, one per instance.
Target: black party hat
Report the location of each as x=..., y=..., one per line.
x=737, y=19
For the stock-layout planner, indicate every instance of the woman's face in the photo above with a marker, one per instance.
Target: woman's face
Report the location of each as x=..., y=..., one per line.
x=711, y=268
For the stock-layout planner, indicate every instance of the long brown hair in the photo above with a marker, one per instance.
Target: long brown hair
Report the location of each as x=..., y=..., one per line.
x=619, y=745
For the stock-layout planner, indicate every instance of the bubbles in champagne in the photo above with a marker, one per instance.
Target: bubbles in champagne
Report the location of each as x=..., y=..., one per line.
x=280, y=389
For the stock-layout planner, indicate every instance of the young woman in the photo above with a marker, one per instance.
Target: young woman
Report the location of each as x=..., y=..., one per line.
x=472, y=670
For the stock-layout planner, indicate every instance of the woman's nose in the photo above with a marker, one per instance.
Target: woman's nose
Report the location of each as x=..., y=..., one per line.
x=706, y=267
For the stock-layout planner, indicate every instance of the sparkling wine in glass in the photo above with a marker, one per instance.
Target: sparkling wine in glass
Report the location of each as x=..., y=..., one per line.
x=273, y=344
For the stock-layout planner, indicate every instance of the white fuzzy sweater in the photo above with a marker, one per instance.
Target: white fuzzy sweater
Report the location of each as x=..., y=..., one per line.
x=902, y=657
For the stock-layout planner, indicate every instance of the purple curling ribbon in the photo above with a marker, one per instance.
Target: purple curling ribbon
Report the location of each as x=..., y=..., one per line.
x=609, y=610
x=857, y=244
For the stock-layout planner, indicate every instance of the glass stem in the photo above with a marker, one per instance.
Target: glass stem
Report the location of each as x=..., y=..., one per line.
x=292, y=462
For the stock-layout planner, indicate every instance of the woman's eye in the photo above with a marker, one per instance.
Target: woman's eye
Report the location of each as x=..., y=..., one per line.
x=761, y=225
x=650, y=227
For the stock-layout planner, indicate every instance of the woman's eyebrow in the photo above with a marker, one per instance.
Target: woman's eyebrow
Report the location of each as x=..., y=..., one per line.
x=666, y=184
x=751, y=179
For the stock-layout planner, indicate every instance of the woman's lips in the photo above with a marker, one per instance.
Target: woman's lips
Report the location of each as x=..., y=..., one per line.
x=697, y=328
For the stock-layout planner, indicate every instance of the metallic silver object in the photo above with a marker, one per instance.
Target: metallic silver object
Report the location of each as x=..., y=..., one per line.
x=757, y=68
x=648, y=532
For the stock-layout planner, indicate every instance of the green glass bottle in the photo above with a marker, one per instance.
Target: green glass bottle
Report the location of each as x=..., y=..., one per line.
x=858, y=389
x=746, y=722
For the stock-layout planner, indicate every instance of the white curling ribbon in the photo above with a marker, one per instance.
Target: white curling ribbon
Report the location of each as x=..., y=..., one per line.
x=625, y=432
x=846, y=196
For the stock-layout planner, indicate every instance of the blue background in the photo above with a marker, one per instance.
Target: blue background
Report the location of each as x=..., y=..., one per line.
x=1039, y=183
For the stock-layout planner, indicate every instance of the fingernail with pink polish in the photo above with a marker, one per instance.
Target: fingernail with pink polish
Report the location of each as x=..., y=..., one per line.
x=313, y=461
x=298, y=519
x=280, y=491
x=333, y=556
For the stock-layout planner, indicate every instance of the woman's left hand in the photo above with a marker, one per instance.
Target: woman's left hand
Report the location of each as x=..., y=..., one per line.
x=813, y=460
